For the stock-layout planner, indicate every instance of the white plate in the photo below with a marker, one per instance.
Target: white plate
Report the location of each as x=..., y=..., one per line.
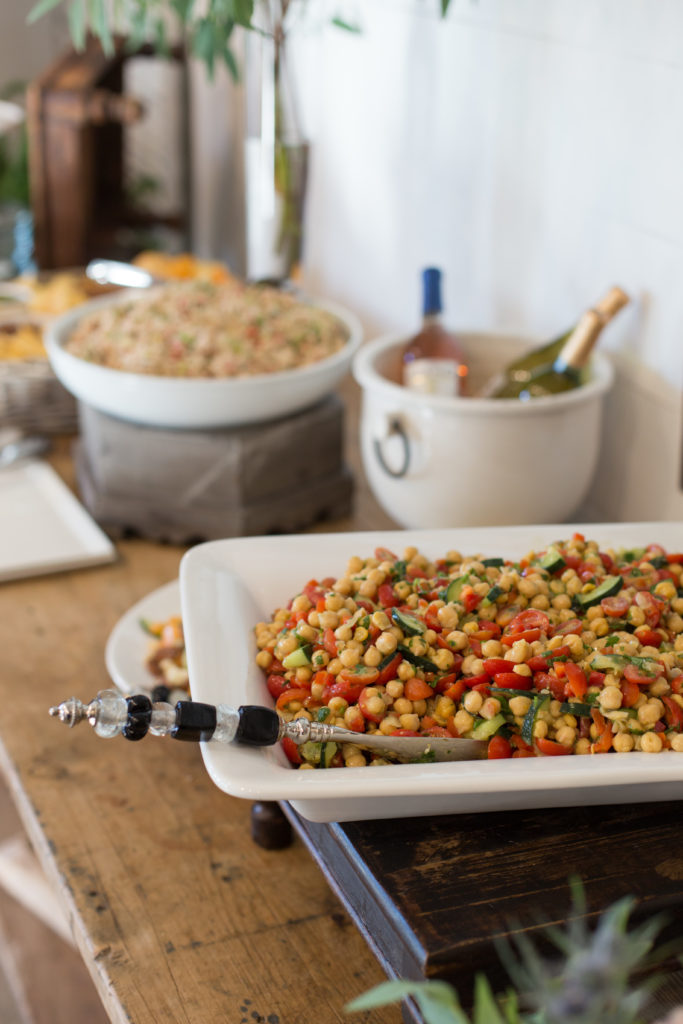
x=227, y=586
x=174, y=402
x=126, y=649
x=43, y=527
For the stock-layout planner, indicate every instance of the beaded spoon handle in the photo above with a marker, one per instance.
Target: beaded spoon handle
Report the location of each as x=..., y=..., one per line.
x=133, y=717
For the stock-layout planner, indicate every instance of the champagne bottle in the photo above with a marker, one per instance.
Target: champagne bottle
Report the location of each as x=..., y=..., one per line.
x=433, y=360
x=516, y=374
x=565, y=372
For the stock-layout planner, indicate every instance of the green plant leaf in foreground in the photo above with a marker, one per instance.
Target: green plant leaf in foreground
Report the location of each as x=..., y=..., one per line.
x=438, y=1001
x=595, y=977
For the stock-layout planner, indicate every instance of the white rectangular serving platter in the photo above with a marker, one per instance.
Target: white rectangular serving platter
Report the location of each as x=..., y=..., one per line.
x=43, y=526
x=228, y=586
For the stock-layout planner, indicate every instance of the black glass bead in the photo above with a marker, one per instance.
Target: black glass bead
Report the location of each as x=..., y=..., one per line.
x=139, y=717
x=160, y=692
x=258, y=727
x=194, y=721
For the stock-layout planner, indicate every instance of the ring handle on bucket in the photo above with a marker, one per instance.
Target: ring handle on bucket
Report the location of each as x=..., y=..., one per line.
x=395, y=427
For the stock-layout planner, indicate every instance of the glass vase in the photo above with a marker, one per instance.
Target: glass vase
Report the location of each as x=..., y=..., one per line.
x=276, y=164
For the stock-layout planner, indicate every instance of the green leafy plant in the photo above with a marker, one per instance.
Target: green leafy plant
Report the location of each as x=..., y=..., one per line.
x=595, y=978
x=14, y=180
x=206, y=28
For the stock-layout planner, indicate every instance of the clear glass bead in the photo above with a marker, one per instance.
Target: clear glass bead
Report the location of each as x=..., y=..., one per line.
x=163, y=718
x=227, y=720
x=110, y=715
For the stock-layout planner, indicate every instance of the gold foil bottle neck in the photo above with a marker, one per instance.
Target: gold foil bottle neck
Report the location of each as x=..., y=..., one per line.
x=580, y=344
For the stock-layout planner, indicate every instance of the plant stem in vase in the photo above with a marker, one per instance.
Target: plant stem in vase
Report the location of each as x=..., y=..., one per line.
x=276, y=155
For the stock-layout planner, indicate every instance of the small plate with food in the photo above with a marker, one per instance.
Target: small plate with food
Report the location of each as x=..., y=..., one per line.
x=145, y=651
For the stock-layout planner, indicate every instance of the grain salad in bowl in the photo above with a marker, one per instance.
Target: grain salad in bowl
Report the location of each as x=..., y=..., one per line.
x=202, y=329
x=203, y=354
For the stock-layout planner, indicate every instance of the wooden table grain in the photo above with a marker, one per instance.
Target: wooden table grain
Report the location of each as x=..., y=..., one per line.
x=178, y=915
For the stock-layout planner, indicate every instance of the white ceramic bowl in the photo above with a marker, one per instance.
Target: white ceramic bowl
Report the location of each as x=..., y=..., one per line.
x=195, y=403
x=434, y=461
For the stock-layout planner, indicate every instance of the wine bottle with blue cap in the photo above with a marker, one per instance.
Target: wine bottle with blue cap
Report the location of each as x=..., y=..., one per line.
x=433, y=360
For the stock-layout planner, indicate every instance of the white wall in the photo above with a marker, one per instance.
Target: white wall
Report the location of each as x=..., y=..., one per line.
x=533, y=149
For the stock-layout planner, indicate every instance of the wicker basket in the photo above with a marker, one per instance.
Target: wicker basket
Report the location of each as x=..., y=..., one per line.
x=32, y=399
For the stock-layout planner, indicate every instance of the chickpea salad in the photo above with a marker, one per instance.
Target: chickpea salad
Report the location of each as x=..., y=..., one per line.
x=574, y=649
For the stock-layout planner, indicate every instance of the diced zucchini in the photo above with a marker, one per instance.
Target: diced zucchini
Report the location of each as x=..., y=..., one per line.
x=577, y=708
x=410, y=625
x=493, y=563
x=489, y=727
x=540, y=703
x=311, y=751
x=327, y=752
x=494, y=593
x=552, y=560
x=608, y=662
x=454, y=589
x=298, y=658
x=417, y=659
x=610, y=586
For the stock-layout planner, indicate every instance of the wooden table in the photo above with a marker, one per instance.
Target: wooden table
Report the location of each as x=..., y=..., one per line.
x=182, y=919
x=178, y=915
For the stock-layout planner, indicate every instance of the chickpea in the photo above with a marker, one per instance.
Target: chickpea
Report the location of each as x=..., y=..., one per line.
x=522, y=670
x=540, y=729
x=444, y=708
x=420, y=707
x=472, y=701
x=582, y=746
x=403, y=706
x=372, y=657
x=528, y=586
x=562, y=601
x=380, y=619
x=285, y=646
x=264, y=659
x=386, y=643
x=519, y=705
x=472, y=666
x=457, y=640
x=490, y=708
x=650, y=742
x=443, y=659
x=389, y=724
x=328, y=620
x=491, y=648
x=463, y=721
x=565, y=735
x=405, y=671
x=610, y=698
x=677, y=742
x=337, y=706
x=349, y=657
x=411, y=722
x=519, y=651
x=394, y=688
x=306, y=632
x=623, y=742
x=650, y=713
x=448, y=616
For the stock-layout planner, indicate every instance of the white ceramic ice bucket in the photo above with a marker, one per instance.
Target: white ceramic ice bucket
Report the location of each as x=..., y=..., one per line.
x=434, y=461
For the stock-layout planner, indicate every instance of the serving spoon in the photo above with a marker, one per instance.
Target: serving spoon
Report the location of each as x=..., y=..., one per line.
x=111, y=714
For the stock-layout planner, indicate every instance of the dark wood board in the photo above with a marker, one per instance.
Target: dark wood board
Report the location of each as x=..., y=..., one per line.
x=434, y=895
